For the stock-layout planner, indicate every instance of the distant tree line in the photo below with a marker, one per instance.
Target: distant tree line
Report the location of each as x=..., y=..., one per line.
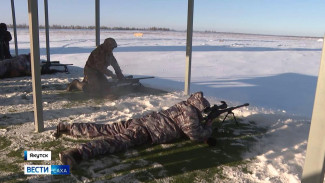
x=92, y=27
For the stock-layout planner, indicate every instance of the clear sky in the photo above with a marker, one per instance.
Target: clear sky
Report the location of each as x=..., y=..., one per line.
x=279, y=17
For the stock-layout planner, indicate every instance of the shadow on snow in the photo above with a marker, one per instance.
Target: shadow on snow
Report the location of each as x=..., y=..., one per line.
x=291, y=92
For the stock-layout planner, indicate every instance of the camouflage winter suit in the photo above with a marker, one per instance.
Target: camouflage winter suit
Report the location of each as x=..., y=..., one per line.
x=14, y=67
x=95, y=71
x=165, y=126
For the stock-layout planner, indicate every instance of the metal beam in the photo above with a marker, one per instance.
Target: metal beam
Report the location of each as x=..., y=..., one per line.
x=189, y=46
x=47, y=34
x=97, y=17
x=35, y=63
x=314, y=162
x=14, y=25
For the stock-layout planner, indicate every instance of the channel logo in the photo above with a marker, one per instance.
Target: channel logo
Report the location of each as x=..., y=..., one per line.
x=37, y=155
x=46, y=169
x=37, y=169
x=60, y=169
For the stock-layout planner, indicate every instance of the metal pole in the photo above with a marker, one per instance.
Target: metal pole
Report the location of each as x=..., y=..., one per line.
x=97, y=12
x=314, y=162
x=14, y=25
x=35, y=63
x=189, y=46
x=46, y=11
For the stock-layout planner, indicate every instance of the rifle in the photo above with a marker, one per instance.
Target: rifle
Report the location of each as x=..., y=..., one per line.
x=128, y=80
x=215, y=111
x=131, y=79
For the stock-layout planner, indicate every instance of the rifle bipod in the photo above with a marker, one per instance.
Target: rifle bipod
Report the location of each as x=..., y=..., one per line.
x=232, y=115
x=215, y=111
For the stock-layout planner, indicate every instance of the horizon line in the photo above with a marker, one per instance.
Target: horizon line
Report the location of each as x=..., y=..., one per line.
x=153, y=28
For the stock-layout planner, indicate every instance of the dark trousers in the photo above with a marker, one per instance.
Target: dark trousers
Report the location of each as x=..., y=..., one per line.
x=4, y=50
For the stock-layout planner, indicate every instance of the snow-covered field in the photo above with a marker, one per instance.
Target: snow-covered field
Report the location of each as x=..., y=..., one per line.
x=276, y=75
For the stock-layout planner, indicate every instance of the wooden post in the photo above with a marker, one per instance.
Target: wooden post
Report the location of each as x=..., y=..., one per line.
x=47, y=34
x=14, y=25
x=35, y=64
x=97, y=17
x=189, y=46
x=314, y=162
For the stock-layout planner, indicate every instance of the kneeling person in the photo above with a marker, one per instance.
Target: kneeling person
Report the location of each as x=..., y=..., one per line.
x=95, y=70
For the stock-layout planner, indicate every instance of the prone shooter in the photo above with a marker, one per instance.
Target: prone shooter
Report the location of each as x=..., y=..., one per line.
x=184, y=119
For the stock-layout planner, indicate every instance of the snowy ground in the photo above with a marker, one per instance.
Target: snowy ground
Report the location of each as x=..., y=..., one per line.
x=276, y=75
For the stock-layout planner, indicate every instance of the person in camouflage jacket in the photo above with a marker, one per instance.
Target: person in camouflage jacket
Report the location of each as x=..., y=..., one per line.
x=15, y=67
x=95, y=70
x=182, y=119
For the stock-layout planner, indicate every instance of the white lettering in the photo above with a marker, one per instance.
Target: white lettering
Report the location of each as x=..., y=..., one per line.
x=38, y=155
